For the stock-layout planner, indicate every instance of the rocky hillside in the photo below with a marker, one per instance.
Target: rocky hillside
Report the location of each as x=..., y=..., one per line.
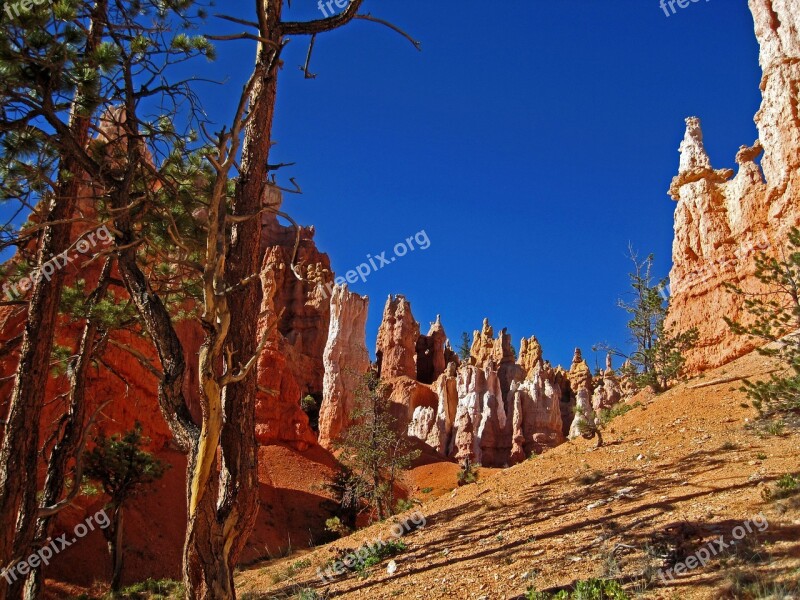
x=677, y=469
x=677, y=472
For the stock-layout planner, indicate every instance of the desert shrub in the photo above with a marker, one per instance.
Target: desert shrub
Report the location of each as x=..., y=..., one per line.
x=335, y=525
x=379, y=553
x=374, y=555
x=751, y=585
x=787, y=485
x=403, y=504
x=310, y=406
x=152, y=589
x=467, y=475
x=609, y=414
x=589, y=589
x=124, y=470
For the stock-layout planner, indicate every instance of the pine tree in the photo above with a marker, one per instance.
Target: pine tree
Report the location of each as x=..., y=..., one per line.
x=124, y=470
x=774, y=315
x=372, y=448
x=185, y=207
x=658, y=357
x=464, y=348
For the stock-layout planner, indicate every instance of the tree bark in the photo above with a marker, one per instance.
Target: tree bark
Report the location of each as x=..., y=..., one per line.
x=115, y=548
x=224, y=516
x=20, y=446
x=70, y=441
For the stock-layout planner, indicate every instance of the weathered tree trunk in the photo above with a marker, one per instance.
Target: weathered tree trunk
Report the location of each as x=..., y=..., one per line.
x=226, y=513
x=20, y=446
x=116, y=548
x=70, y=441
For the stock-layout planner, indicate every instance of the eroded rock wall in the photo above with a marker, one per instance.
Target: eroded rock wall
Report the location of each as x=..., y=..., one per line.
x=346, y=360
x=722, y=219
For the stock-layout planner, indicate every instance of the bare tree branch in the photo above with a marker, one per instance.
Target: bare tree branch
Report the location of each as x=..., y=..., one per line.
x=392, y=26
x=322, y=25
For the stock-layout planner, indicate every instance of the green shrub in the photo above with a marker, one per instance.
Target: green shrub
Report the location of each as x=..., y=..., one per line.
x=590, y=589
x=609, y=414
x=310, y=406
x=787, y=485
x=379, y=553
x=296, y=566
x=467, y=475
x=771, y=316
x=375, y=555
x=403, y=504
x=152, y=589
x=335, y=525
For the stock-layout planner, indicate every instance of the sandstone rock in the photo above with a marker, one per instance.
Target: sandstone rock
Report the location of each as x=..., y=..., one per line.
x=482, y=348
x=295, y=314
x=580, y=378
x=439, y=438
x=431, y=353
x=627, y=384
x=493, y=431
x=584, y=417
x=518, y=453
x=301, y=299
x=485, y=349
x=346, y=360
x=450, y=355
x=471, y=386
x=422, y=423
x=397, y=340
x=465, y=439
x=405, y=396
x=608, y=391
x=722, y=222
x=536, y=404
x=508, y=371
x=530, y=354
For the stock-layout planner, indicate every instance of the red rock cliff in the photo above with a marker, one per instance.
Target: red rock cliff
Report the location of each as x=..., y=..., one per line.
x=723, y=220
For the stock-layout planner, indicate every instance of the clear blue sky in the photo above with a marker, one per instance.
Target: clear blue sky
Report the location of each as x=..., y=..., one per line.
x=531, y=140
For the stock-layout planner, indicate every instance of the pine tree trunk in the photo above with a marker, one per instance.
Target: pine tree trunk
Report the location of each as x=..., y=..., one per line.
x=116, y=548
x=226, y=513
x=70, y=440
x=20, y=446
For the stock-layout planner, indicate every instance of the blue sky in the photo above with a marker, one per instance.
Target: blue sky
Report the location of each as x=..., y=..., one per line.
x=532, y=141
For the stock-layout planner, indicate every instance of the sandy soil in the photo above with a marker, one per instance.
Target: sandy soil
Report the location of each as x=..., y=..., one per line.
x=677, y=472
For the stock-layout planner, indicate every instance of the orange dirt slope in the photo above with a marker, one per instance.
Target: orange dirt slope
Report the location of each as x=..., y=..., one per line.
x=676, y=472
